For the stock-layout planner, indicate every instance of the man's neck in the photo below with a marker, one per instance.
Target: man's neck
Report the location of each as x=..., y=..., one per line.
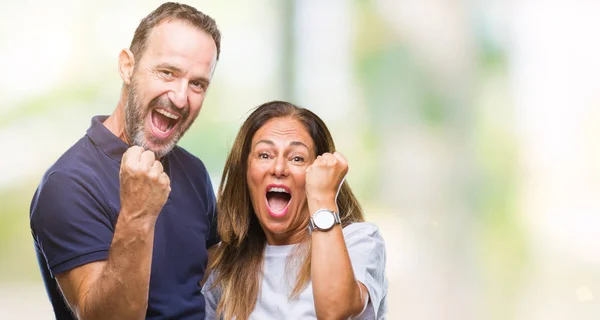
x=115, y=123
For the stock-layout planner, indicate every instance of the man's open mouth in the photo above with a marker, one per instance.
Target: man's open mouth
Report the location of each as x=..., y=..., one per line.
x=163, y=120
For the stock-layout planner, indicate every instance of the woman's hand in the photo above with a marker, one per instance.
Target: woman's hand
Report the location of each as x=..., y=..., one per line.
x=324, y=177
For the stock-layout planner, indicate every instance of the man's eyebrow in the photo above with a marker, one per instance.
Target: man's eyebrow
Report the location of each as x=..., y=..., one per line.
x=202, y=79
x=176, y=69
x=169, y=66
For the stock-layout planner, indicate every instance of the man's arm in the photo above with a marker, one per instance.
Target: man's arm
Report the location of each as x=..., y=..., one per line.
x=118, y=287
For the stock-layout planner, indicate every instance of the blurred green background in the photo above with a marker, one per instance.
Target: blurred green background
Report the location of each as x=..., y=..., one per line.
x=471, y=129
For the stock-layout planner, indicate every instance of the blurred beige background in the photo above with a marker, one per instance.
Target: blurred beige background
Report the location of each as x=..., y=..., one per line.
x=472, y=130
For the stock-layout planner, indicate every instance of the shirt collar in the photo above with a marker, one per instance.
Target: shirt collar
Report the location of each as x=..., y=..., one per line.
x=104, y=139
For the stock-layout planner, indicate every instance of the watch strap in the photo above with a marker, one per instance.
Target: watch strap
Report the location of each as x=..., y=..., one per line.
x=312, y=226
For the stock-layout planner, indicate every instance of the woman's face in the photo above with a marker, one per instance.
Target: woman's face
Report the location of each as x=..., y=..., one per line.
x=281, y=151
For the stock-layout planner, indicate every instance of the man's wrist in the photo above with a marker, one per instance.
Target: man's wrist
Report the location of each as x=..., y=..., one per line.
x=137, y=221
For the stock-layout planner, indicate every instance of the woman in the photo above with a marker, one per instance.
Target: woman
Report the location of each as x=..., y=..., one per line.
x=293, y=242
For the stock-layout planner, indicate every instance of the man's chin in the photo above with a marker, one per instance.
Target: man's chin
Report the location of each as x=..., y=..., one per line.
x=160, y=149
x=160, y=146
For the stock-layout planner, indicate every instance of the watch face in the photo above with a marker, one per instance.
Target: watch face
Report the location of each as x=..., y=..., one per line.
x=324, y=219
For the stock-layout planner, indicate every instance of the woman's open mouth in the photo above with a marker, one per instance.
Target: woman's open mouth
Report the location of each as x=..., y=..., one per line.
x=278, y=198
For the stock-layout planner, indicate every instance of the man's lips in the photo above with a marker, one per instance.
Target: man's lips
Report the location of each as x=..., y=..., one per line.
x=173, y=118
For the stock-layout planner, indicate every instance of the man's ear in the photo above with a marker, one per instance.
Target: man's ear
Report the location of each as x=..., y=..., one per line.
x=126, y=65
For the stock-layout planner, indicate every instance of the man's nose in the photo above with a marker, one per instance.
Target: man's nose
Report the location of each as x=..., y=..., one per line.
x=179, y=94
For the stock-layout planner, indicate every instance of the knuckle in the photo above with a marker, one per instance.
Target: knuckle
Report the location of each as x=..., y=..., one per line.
x=131, y=165
x=130, y=170
x=152, y=175
x=135, y=167
x=133, y=150
x=148, y=154
x=164, y=178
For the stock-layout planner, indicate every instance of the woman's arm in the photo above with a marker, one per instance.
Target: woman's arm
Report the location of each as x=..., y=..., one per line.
x=212, y=296
x=337, y=293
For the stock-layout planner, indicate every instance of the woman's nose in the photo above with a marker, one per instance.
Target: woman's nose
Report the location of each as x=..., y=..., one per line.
x=279, y=167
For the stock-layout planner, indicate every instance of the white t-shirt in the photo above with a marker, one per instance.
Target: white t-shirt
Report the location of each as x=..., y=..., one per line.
x=367, y=254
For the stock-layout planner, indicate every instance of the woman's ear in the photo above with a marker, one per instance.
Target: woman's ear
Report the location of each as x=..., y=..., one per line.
x=126, y=65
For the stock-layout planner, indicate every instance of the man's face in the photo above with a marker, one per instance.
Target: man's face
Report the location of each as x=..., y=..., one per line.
x=168, y=85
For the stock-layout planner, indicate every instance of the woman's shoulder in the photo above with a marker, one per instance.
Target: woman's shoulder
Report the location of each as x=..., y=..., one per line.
x=361, y=229
x=365, y=244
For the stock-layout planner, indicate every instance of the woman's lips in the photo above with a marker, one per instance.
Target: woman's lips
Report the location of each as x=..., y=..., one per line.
x=279, y=191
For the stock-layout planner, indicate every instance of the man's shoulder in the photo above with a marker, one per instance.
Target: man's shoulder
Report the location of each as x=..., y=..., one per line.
x=76, y=163
x=74, y=178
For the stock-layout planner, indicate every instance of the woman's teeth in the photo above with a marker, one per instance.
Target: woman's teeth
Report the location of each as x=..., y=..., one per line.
x=276, y=189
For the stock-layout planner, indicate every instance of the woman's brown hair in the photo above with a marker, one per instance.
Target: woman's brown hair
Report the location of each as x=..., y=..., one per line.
x=239, y=258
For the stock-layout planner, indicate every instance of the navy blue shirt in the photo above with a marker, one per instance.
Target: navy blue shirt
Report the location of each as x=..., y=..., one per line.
x=75, y=208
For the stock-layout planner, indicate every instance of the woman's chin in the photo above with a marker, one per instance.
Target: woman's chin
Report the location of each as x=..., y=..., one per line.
x=277, y=214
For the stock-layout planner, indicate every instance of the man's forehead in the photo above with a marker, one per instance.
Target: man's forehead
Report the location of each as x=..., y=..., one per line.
x=179, y=38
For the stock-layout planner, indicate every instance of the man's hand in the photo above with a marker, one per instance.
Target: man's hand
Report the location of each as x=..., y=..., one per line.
x=145, y=187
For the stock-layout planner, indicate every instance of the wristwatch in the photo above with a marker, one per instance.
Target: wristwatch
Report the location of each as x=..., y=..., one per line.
x=323, y=220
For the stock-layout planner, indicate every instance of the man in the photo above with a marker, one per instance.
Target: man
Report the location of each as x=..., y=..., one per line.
x=122, y=222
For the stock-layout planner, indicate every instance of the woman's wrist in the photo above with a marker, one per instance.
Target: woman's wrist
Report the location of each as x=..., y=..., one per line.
x=316, y=204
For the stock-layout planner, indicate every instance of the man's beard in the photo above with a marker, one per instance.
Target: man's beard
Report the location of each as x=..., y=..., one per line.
x=135, y=115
